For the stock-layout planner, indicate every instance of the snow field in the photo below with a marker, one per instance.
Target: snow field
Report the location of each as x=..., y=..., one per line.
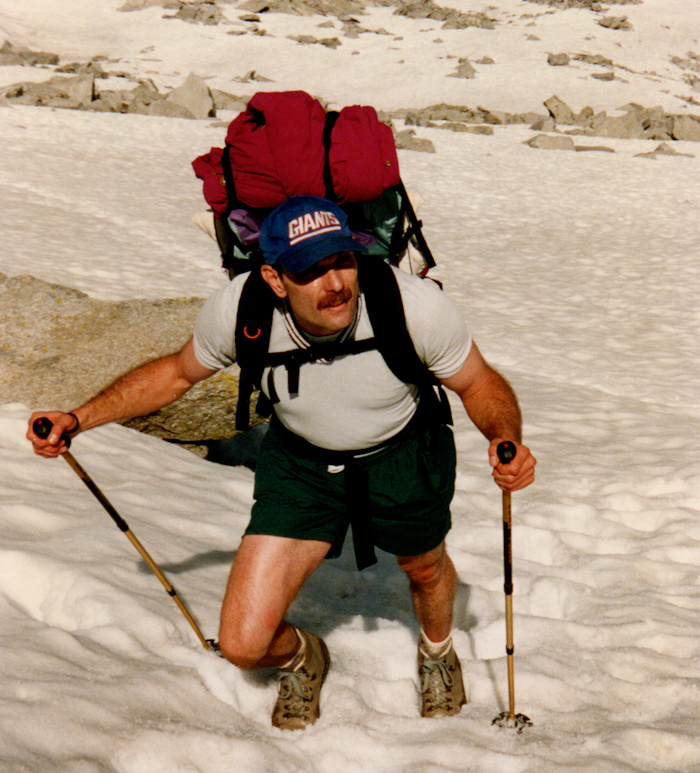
x=577, y=273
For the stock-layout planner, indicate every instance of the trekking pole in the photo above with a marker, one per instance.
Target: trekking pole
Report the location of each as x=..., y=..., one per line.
x=42, y=428
x=506, y=452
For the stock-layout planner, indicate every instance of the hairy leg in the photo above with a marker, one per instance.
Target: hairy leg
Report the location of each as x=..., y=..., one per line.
x=265, y=578
x=433, y=584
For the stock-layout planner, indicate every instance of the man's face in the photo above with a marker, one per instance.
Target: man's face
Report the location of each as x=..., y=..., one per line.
x=323, y=298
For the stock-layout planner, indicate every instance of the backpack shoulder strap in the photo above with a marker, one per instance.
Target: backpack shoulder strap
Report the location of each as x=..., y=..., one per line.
x=386, y=313
x=252, y=339
x=391, y=338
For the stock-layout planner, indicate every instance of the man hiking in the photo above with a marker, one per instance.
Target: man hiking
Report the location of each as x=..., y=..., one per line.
x=349, y=443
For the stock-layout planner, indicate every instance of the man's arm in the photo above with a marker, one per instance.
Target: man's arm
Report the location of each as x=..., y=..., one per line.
x=141, y=391
x=493, y=407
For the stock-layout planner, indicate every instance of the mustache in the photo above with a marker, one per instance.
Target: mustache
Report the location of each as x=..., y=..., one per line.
x=335, y=299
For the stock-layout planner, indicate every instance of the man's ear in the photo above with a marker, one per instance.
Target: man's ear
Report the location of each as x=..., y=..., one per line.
x=272, y=277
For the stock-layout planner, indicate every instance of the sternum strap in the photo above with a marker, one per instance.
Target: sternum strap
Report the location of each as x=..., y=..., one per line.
x=293, y=359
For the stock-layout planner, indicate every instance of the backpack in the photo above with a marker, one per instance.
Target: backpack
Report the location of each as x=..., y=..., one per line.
x=286, y=144
x=391, y=338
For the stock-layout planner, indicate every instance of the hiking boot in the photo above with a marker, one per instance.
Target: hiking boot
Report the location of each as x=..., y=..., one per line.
x=299, y=689
x=441, y=684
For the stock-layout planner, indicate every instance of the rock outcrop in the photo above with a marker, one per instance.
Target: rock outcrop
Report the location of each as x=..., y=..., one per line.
x=17, y=55
x=193, y=99
x=337, y=8
x=450, y=18
x=592, y=5
x=636, y=122
x=60, y=347
x=75, y=86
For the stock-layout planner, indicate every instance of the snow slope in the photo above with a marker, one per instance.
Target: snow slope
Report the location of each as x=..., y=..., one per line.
x=577, y=273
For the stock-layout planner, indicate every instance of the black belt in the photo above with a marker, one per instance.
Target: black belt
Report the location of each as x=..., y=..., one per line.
x=356, y=483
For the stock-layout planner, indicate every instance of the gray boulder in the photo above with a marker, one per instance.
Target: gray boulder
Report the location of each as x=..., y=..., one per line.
x=464, y=70
x=165, y=109
x=626, y=127
x=141, y=98
x=310, y=40
x=585, y=118
x=61, y=346
x=663, y=150
x=92, y=67
x=139, y=5
x=592, y=5
x=656, y=123
x=599, y=148
x=544, y=124
x=559, y=110
x=496, y=117
x=225, y=101
x=201, y=12
x=686, y=127
x=407, y=140
x=596, y=59
x=615, y=23
x=194, y=96
x=18, y=55
x=551, y=142
x=558, y=60
x=468, y=129
x=528, y=118
x=75, y=93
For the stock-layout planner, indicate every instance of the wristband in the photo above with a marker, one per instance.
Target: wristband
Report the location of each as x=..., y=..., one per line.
x=77, y=425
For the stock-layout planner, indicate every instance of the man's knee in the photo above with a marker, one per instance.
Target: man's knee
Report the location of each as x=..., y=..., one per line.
x=428, y=568
x=242, y=645
x=266, y=576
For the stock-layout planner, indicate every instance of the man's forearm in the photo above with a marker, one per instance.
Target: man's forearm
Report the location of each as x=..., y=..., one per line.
x=493, y=408
x=138, y=393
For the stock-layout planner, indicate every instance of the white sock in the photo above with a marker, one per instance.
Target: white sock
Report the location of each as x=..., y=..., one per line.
x=297, y=659
x=435, y=649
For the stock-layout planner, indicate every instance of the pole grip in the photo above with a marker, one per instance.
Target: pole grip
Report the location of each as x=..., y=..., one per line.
x=506, y=451
x=42, y=427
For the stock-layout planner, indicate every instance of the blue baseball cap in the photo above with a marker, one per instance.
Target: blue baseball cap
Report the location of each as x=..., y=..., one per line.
x=304, y=230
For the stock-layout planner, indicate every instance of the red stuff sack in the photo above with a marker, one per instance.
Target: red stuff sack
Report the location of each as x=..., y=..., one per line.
x=362, y=156
x=209, y=170
x=284, y=144
x=276, y=148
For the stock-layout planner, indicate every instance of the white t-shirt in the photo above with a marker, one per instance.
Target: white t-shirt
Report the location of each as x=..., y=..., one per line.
x=355, y=401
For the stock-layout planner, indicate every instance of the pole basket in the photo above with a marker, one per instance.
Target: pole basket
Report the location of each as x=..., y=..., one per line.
x=214, y=647
x=518, y=722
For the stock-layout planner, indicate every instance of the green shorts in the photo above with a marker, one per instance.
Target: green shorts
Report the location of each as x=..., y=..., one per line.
x=410, y=488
